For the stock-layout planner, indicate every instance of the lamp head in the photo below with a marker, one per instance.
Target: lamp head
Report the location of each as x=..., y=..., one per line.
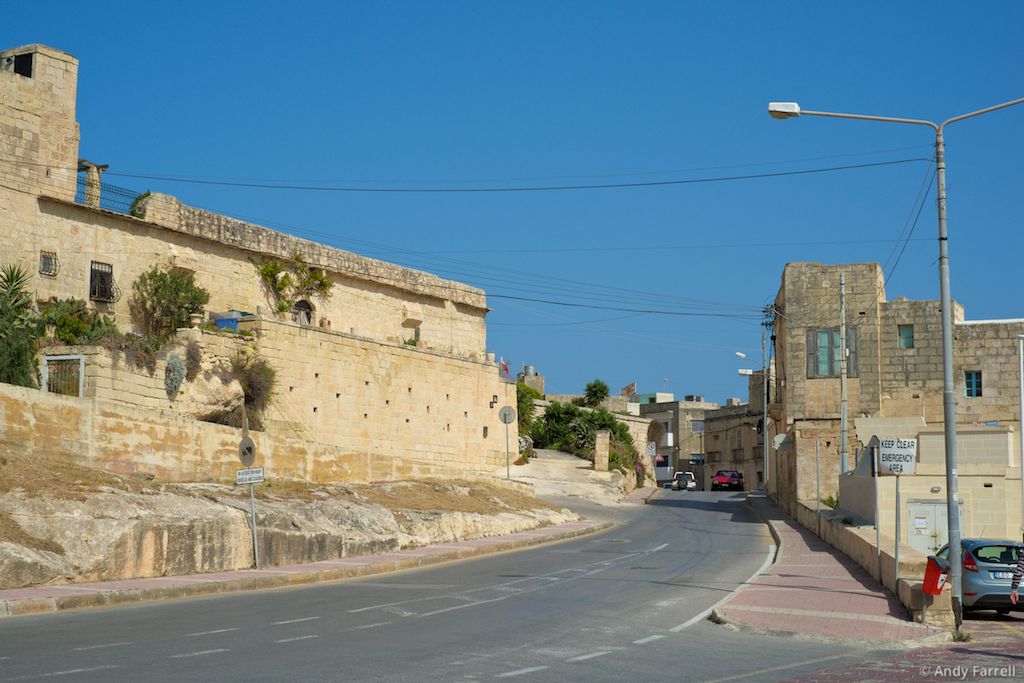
x=740, y=354
x=783, y=110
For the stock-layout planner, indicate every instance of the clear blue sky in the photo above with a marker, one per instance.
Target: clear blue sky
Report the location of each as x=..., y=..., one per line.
x=511, y=94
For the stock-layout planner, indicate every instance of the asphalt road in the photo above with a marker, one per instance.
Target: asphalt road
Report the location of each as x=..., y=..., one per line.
x=627, y=604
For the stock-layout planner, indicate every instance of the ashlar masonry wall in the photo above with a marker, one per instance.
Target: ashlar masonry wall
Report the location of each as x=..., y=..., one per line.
x=345, y=409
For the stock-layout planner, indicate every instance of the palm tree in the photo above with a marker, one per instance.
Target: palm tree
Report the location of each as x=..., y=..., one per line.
x=18, y=329
x=595, y=394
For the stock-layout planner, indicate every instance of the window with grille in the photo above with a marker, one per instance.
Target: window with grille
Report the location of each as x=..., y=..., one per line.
x=824, y=356
x=63, y=375
x=49, y=264
x=101, y=283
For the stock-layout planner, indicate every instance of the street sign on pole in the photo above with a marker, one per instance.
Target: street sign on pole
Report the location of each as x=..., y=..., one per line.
x=247, y=451
x=507, y=415
x=252, y=475
x=897, y=456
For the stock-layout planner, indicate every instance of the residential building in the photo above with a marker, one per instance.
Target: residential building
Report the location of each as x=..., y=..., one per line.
x=677, y=430
x=894, y=389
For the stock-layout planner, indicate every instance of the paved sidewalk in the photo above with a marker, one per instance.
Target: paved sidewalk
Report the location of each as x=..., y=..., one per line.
x=20, y=601
x=814, y=590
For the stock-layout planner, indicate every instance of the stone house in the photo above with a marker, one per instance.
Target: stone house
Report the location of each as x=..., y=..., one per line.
x=386, y=377
x=734, y=436
x=894, y=389
x=677, y=429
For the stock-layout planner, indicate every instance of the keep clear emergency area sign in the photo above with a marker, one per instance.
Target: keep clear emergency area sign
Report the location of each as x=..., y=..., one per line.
x=897, y=456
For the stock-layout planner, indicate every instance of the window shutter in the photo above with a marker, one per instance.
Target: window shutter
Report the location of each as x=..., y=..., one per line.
x=851, y=343
x=812, y=353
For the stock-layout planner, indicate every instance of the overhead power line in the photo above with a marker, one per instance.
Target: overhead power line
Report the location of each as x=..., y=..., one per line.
x=549, y=188
x=627, y=310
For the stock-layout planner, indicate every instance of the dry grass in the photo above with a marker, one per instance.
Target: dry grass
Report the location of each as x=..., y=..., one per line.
x=12, y=532
x=63, y=479
x=55, y=478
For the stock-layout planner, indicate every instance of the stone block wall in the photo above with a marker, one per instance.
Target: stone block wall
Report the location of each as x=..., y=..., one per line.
x=38, y=132
x=344, y=409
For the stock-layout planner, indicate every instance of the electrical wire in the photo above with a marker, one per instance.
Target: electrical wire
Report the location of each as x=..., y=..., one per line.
x=550, y=188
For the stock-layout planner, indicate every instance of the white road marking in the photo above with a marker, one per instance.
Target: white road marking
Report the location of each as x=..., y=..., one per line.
x=210, y=633
x=293, y=621
x=520, y=672
x=68, y=672
x=660, y=547
x=589, y=568
x=648, y=639
x=704, y=615
x=198, y=654
x=379, y=623
x=98, y=647
x=292, y=640
x=779, y=668
x=582, y=658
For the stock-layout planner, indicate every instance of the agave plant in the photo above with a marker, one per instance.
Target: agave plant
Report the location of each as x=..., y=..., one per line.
x=18, y=330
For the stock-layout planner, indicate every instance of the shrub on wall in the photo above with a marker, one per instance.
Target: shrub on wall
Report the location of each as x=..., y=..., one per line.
x=73, y=322
x=174, y=374
x=525, y=396
x=258, y=379
x=288, y=282
x=162, y=300
x=18, y=329
x=193, y=360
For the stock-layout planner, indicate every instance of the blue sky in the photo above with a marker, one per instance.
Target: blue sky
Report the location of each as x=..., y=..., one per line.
x=535, y=94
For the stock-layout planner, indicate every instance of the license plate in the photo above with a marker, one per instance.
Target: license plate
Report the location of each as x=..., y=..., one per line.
x=1002, y=575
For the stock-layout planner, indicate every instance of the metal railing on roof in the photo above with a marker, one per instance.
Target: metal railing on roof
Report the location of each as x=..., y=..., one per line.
x=111, y=197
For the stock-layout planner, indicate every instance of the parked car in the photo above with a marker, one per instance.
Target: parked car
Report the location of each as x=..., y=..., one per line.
x=987, y=571
x=727, y=479
x=684, y=481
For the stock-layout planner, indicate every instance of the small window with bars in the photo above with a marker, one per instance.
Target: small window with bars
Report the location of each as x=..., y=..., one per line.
x=49, y=264
x=101, y=283
x=64, y=375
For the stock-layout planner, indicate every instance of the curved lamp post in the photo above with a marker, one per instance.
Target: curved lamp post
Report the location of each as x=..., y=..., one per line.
x=789, y=110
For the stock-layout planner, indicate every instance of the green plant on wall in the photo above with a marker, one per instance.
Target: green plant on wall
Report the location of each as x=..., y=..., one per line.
x=290, y=281
x=138, y=207
x=193, y=360
x=174, y=374
x=163, y=299
x=73, y=322
x=258, y=379
x=18, y=329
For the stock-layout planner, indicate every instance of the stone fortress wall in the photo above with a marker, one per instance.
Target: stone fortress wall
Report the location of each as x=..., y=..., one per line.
x=355, y=400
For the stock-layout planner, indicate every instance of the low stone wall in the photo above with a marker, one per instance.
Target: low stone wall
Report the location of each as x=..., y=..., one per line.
x=858, y=543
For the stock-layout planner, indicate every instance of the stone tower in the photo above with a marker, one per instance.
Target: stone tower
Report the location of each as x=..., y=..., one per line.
x=38, y=131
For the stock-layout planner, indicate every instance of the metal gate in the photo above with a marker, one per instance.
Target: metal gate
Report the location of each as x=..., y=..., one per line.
x=64, y=375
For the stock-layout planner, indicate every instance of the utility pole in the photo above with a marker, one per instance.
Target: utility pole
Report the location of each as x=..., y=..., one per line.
x=843, y=353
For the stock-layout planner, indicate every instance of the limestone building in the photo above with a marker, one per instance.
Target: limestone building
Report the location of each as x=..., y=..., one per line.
x=387, y=376
x=894, y=389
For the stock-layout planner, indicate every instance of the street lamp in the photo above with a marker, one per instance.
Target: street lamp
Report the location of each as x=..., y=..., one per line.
x=789, y=110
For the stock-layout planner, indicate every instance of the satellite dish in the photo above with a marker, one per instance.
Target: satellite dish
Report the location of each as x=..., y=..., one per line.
x=777, y=441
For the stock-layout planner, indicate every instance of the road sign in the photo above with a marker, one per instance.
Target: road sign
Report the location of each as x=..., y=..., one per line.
x=247, y=451
x=252, y=475
x=897, y=456
x=507, y=415
x=652, y=448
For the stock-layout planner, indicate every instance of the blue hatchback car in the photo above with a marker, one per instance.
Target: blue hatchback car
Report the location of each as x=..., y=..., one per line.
x=987, y=571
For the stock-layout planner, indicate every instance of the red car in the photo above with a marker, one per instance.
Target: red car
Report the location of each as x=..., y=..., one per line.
x=727, y=479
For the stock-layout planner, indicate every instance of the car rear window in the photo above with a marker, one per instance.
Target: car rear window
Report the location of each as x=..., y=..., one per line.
x=997, y=554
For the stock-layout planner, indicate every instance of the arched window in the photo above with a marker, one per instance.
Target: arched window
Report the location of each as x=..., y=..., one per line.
x=302, y=312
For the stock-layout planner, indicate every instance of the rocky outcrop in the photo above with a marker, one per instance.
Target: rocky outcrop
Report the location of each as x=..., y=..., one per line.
x=187, y=529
